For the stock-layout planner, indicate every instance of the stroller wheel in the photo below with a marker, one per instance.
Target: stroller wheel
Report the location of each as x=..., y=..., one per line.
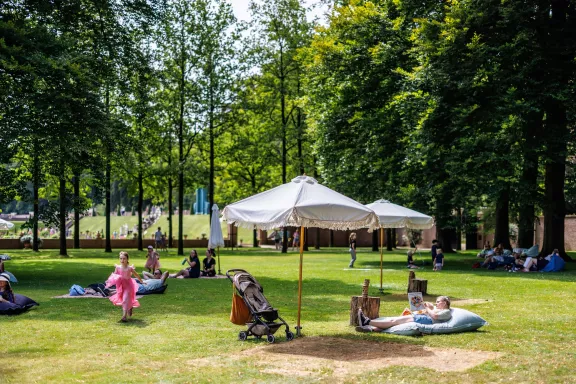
x=289, y=336
x=271, y=339
x=242, y=336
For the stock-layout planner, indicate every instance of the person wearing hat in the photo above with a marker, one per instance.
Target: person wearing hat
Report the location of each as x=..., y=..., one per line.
x=152, y=260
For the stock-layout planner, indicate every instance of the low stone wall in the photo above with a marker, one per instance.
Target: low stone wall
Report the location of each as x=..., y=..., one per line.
x=101, y=244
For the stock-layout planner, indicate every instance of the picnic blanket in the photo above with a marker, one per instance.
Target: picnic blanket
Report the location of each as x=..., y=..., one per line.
x=87, y=296
x=204, y=277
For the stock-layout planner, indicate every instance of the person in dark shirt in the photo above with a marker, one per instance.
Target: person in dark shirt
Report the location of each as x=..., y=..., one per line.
x=209, y=264
x=434, y=250
x=439, y=260
x=194, y=270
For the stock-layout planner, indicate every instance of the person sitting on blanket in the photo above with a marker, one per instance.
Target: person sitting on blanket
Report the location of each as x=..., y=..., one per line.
x=151, y=281
x=193, y=271
x=433, y=314
x=209, y=264
x=482, y=254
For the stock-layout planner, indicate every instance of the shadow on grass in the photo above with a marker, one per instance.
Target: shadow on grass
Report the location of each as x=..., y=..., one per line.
x=138, y=323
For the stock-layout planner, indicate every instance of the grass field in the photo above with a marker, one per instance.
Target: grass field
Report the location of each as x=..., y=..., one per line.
x=185, y=336
x=194, y=226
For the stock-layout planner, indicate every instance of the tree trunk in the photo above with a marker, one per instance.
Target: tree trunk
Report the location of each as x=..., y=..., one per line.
x=254, y=237
x=108, y=208
x=140, y=203
x=182, y=97
x=554, y=201
x=76, y=212
x=388, y=239
x=62, y=215
x=528, y=188
x=459, y=230
x=370, y=307
x=393, y=233
x=331, y=239
x=170, y=213
x=181, y=212
x=285, y=241
x=305, y=238
x=35, y=186
x=502, y=230
x=471, y=230
x=375, y=245
x=444, y=229
x=560, y=70
x=444, y=237
x=211, y=134
x=317, y=242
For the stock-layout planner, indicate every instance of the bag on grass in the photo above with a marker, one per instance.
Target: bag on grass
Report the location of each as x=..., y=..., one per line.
x=240, y=314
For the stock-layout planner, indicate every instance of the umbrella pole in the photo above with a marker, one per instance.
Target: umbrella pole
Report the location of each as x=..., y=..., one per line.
x=218, y=249
x=298, y=327
x=381, y=258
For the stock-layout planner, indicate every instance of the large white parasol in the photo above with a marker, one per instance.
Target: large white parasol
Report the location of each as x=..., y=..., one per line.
x=6, y=225
x=396, y=216
x=303, y=202
x=216, y=240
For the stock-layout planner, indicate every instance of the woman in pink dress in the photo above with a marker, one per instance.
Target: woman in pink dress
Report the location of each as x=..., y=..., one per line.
x=125, y=287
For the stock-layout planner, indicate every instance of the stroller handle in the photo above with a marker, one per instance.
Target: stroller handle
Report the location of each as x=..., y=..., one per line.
x=234, y=271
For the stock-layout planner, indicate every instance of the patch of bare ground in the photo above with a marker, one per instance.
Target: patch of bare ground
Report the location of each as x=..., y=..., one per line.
x=342, y=358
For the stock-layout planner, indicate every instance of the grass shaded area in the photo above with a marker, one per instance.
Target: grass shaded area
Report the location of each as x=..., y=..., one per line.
x=530, y=318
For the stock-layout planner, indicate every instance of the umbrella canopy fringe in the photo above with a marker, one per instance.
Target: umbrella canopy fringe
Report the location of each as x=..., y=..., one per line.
x=369, y=223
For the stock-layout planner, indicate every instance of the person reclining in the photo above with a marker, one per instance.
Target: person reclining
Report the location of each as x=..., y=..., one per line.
x=152, y=282
x=433, y=314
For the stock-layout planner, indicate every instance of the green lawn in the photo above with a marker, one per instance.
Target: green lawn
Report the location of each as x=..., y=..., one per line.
x=194, y=226
x=185, y=336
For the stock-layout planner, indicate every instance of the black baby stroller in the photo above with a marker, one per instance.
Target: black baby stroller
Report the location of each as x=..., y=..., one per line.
x=263, y=315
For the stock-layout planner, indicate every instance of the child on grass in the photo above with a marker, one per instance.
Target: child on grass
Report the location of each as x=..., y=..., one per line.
x=126, y=288
x=439, y=260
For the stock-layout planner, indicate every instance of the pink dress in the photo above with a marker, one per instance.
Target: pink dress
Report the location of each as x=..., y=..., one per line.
x=152, y=262
x=126, y=287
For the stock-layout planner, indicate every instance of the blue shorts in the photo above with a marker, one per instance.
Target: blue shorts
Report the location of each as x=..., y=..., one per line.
x=423, y=319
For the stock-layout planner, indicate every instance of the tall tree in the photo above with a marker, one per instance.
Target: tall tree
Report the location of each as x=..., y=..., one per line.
x=280, y=29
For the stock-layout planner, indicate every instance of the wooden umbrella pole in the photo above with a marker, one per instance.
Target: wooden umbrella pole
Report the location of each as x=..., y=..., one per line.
x=381, y=258
x=298, y=328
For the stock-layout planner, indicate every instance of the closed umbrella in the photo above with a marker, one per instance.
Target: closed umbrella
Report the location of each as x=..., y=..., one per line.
x=6, y=224
x=303, y=202
x=396, y=216
x=216, y=240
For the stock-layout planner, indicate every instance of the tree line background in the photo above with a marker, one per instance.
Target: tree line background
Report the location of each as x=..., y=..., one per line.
x=448, y=107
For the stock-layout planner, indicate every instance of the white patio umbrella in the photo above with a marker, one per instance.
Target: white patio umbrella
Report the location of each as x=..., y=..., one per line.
x=6, y=225
x=216, y=240
x=303, y=202
x=396, y=216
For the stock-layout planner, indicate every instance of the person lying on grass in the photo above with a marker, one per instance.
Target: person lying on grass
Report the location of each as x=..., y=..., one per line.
x=152, y=282
x=433, y=314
